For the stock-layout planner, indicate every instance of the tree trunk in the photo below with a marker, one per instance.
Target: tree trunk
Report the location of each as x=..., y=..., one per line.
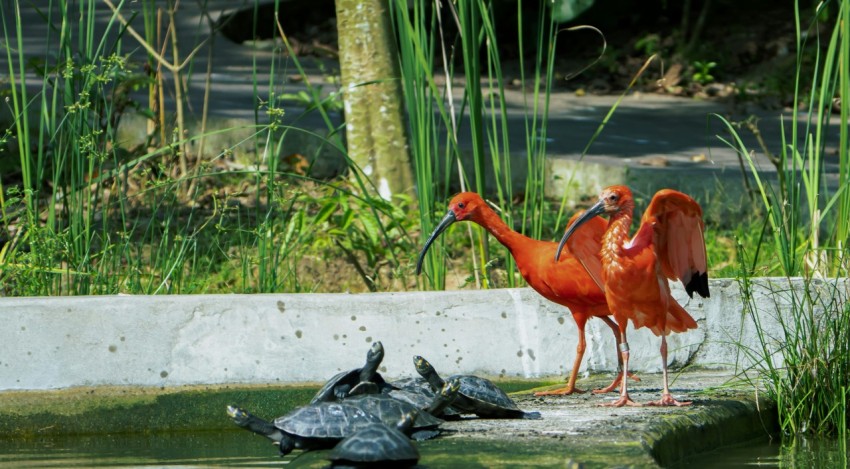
x=374, y=118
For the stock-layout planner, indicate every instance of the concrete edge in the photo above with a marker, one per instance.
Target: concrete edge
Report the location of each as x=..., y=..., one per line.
x=721, y=418
x=674, y=438
x=128, y=409
x=177, y=340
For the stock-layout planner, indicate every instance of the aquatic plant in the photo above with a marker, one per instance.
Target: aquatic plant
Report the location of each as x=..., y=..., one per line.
x=805, y=365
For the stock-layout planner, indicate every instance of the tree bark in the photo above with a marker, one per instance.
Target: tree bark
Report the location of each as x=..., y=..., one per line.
x=374, y=115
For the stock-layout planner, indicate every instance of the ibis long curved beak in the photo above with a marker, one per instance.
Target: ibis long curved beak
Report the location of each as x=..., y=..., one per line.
x=444, y=223
x=597, y=209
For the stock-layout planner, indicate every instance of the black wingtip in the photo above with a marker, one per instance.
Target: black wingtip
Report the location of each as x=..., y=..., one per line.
x=699, y=284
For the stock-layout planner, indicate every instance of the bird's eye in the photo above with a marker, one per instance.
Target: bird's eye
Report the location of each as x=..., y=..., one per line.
x=612, y=197
x=461, y=205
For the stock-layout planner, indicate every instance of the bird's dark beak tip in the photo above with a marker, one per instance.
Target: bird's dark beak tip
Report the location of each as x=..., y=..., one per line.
x=444, y=223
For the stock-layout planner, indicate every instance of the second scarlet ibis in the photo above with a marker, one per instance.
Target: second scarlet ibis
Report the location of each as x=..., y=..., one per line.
x=566, y=282
x=668, y=245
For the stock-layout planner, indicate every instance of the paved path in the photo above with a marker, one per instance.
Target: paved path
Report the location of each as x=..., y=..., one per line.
x=651, y=141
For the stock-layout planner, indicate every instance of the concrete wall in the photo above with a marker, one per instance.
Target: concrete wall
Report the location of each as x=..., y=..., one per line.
x=48, y=343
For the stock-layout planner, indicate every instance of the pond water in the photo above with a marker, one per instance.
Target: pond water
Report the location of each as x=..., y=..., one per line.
x=238, y=449
x=799, y=453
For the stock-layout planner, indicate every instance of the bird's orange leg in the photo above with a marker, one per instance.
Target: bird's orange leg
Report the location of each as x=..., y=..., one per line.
x=666, y=397
x=570, y=388
x=624, y=393
x=617, y=379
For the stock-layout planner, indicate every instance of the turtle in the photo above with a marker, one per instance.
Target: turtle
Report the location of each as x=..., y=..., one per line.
x=418, y=392
x=477, y=395
x=390, y=410
x=357, y=381
x=320, y=425
x=378, y=445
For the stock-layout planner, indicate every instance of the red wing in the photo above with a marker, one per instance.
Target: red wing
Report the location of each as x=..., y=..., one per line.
x=679, y=242
x=586, y=243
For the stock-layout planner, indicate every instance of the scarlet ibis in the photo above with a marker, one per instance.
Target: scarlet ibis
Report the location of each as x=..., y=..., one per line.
x=668, y=245
x=566, y=282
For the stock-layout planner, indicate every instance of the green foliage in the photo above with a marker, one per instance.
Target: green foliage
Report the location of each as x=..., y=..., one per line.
x=84, y=216
x=702, y=72
x=809, y=220
x=486, y=167
x=806, y=367
x=648, y=44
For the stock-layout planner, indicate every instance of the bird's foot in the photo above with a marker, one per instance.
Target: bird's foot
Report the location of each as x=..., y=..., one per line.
x=667, y=400
x=622, y=401
x=565, y=391
x=618, y=380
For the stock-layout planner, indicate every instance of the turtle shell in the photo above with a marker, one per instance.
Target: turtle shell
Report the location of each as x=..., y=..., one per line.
x=373, y=444
x=483, y=393
x=391, y=410
x=481, y=397
x=418, y=392
x=326, y=420
x=414, y=384
x=341, y=384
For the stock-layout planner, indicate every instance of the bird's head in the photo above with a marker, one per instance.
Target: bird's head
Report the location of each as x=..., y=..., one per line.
x=611, y=200
x=464, y=206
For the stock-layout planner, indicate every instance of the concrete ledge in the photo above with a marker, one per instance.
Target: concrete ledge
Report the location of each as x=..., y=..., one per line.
x=51, y=343
x=573, y=428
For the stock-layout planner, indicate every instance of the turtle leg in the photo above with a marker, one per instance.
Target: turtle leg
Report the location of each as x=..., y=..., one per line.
x=532, y=415
x=366, y=387
x=287, y=444
x=341, y=391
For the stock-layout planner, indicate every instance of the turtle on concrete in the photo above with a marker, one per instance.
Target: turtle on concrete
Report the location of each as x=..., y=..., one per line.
x=390, y=410
x=418, y=392
x=477, y=395
x=365, y=380
x=320, y=425
x=378, y=445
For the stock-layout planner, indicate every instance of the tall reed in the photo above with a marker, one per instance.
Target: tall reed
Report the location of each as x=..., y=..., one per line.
x=90, y=217
x=437, y=120
x=806, y=368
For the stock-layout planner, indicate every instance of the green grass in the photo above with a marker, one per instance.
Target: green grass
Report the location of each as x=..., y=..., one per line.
x=85, y=216
x=805, y=366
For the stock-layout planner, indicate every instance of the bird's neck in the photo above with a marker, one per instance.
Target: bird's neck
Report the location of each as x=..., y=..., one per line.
x=497, y=227
x=616, y=235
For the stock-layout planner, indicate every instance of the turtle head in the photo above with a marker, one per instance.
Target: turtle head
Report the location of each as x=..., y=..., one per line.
x=239, y=416
x=406, y=423
x=375, y=353
x=422, y=366
x=427, y=371
x=374, y=357
x=450, y=389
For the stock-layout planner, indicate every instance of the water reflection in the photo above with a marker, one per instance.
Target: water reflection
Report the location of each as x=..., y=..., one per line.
x=792, y=453
x=236, y=449
x=185, y=450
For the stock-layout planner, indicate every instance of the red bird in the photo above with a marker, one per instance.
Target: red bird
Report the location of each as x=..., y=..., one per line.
x=566, y=282
x=668, y=245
